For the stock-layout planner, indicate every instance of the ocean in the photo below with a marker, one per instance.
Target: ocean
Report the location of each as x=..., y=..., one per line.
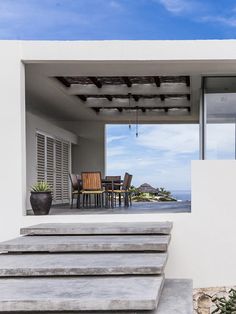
x=182, y=195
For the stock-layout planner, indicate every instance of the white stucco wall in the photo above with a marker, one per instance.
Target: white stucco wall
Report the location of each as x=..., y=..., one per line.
x=33, y=124
x=12, y=170
x=89, y=153
x=202, y=245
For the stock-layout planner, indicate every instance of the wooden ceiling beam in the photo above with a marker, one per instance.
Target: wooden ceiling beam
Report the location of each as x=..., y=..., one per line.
x=143, y=109
x=157, y=81
x=144, y=103
x=136, y=97
x=187, y=81
x=62, y=80
x=162, y=97
x=109, y=97
x=82, y=97
x=136, y=89
x=127, y=81
x=97, y=110
x=95, y=81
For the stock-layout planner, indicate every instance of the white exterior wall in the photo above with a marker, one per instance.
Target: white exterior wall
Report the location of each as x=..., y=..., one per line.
x=202, y=245
x=12, y=139
x=34, y=124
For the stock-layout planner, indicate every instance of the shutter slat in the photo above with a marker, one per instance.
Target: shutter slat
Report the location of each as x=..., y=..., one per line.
x=40, y=142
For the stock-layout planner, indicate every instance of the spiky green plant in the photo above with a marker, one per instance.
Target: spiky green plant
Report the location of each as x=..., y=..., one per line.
x=225, y=305
x=41, y=186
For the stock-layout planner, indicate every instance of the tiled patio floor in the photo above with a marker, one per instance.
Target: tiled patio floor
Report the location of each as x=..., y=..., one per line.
x=136, y=208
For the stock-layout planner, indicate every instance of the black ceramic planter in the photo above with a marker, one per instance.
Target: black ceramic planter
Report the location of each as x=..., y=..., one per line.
x=41, y=202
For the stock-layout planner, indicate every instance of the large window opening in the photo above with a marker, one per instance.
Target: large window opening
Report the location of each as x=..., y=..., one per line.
x=66, y=119
x=160, y=156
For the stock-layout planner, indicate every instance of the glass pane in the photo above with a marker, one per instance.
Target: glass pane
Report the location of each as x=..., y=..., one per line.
x=220, y=128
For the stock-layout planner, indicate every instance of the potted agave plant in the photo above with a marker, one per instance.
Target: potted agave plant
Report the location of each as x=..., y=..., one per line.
x=41, y=198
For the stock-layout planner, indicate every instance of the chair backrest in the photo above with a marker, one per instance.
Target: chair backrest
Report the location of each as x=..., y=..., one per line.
x=79, y=181
x=74, y=181
x=114, y=179
x=130, y=180
x=91, y=181
x=127, y=181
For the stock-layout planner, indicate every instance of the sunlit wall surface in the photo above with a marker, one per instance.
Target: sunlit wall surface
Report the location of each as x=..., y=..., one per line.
x=161, y=155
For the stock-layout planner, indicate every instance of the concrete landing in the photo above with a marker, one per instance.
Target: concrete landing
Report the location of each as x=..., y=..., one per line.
x=98, y=228
x=81, y=264
x=86, y=243
x=176, y=298
x=80, y=294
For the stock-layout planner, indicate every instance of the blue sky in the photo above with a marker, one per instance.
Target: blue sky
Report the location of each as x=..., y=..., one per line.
x=162, y=153
x=160, y=156
x=117, y=19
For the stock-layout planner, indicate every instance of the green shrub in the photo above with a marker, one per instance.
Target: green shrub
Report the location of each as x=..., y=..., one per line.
x=225, y=305
x=41, y=186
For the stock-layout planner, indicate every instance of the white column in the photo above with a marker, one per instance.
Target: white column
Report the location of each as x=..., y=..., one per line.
x=12, y=139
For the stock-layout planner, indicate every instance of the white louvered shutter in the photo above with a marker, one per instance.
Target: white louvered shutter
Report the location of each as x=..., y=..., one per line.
x=50, y=177
x=41, y=160
x=65, y=171
x=58, y=160
x=53, y=165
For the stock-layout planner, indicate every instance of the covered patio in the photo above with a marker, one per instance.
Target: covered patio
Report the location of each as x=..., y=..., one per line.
x=68, y=106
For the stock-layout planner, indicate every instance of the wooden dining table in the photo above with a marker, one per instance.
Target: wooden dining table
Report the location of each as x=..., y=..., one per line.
x=111, y=183
x=107, y=183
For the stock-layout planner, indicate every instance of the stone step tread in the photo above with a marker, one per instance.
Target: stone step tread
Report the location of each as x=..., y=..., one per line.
x=81, y=264
x=86, y=243
x=80, y=293
x=176, y=298
x=98, y=228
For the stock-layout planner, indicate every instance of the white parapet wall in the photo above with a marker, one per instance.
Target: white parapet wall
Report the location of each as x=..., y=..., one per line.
x=203, y=242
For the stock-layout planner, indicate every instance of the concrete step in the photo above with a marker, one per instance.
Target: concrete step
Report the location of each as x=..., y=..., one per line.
x=81, y=264
x=176, y=298
x=80, y=294
x=98, y=228
x=86, y=243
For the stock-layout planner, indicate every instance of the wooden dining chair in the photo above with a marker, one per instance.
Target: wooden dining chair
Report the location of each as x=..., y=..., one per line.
x=75, y=188
x=92, y=185
x=123, y=189
x=114, y=179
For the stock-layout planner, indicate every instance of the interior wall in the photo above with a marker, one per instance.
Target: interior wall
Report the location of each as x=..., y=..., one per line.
x=33, y=124
x=89, y=153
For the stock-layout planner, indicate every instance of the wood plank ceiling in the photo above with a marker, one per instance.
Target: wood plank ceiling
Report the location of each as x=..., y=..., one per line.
x=144, y=93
